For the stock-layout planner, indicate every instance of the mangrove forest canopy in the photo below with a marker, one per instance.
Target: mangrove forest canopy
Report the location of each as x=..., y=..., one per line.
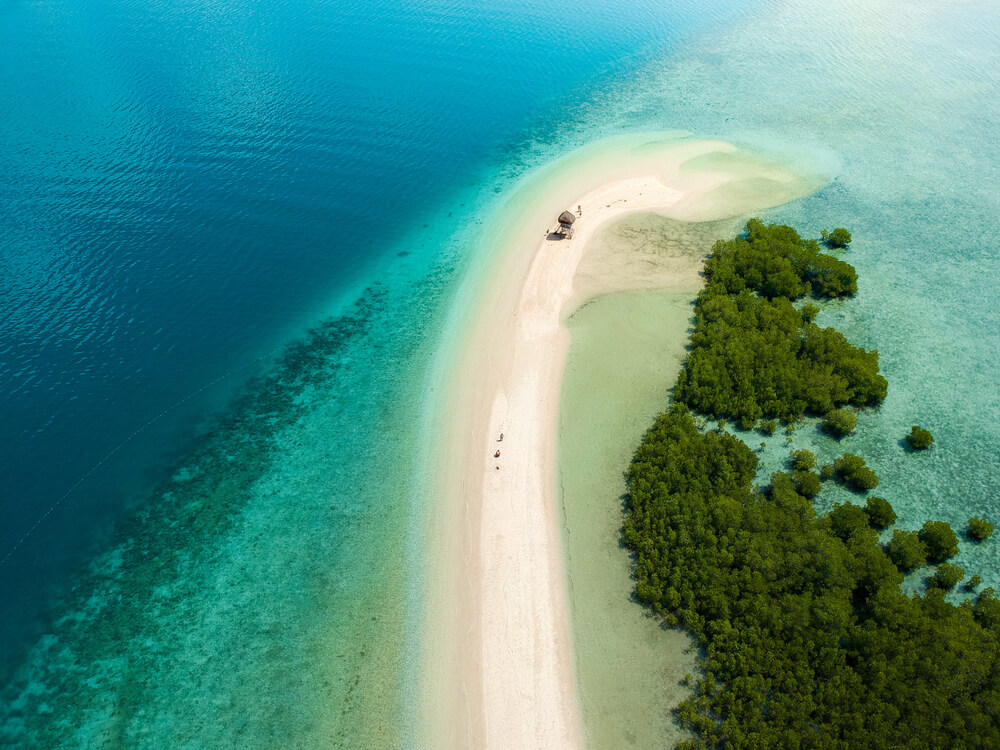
x=754, y=354
x=808, y=637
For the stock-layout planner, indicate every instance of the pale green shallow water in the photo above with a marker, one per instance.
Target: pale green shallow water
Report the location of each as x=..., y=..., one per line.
x=625, y=660
x=625, y=351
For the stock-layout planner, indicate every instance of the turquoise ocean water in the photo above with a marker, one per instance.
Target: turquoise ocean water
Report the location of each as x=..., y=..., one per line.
x=229, y=234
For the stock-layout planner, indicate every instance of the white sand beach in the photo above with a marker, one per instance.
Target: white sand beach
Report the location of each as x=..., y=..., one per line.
x=528, y=687
x=513, y=667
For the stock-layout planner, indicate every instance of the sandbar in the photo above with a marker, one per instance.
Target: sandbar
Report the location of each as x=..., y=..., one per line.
x=512, y=669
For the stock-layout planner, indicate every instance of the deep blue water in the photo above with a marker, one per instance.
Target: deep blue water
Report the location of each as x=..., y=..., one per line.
x=185, y=189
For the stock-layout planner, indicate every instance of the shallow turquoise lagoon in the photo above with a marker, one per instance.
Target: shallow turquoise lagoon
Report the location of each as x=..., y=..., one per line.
x=229, y=235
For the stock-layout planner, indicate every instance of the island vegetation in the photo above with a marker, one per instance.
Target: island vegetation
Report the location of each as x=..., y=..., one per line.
x=979, y=529
x=840, y=422
x=808, y=638
x=852, y=471
x=919, y=438
x=947, y=576
x=880, y=513
x=838, y=238
x=754, y=355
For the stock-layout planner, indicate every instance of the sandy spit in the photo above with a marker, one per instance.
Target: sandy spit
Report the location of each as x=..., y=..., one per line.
x=509, y=682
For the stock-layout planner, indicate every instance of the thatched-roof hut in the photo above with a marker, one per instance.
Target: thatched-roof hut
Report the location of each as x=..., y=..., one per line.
x=566, y=219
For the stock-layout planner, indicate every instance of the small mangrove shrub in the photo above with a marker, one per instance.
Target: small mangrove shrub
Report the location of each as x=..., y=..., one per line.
x=941, y=540
x=880, y=513
x=807, y=483
x=803, y=460
x=839, y=237
x=979, y=529
x=947, y=576
x=840, y=422
x=906, y=550
x=919, y=438
x=853, y=472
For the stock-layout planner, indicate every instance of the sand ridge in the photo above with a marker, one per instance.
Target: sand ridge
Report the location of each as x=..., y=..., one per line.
x=499, y=665
x=527, y=672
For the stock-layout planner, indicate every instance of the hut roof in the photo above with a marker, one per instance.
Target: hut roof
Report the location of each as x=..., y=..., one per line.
x=566, y=217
